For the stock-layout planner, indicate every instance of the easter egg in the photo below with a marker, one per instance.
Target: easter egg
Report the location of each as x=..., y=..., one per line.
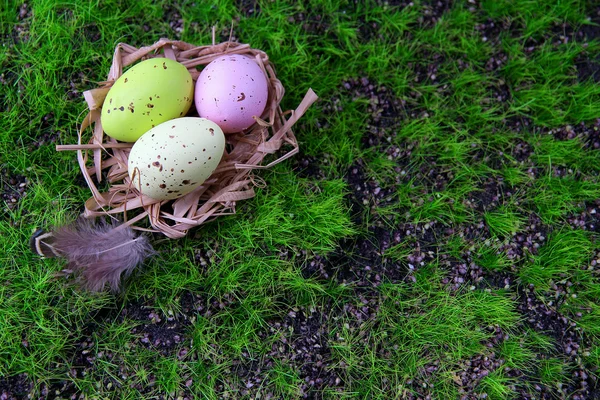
x=149, y=93
x=230, y=91
x=175, y=157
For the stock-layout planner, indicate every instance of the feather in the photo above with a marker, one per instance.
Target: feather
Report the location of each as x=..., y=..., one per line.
x=41, y=243
x=100, y=253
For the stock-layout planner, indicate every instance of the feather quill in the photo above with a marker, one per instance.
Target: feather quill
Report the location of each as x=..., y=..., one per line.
x=98, y=253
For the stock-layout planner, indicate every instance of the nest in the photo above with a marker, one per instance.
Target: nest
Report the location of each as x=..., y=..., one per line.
x=102, y=157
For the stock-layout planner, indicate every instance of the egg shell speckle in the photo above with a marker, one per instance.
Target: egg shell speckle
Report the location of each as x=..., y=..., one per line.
x=175, y=157
x=230, y=91
x=149, y=93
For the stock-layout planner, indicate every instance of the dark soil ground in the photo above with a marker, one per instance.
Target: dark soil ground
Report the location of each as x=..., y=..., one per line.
x=12, y=187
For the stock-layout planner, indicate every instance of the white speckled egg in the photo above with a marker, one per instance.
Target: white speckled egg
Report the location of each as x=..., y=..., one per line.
x=230, y=91
x=175, y=157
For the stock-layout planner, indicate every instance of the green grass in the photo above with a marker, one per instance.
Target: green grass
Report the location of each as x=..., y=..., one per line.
x=551, y=371
x=559, y=260
x=453, y=135
x=488, y=256
x=503, y=222
x=497, y=386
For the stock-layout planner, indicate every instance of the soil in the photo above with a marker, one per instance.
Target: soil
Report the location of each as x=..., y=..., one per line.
x=249, y=8
x=173, y=15
x=384, y=112
x=13, y=187
x=15, y=387
x=433, y=10
x=588, y=133
x=46, y=132
x=304, y=346
x=364, y=191
x=91, y=32
x=21, y=28
x=315, y=23
x=359, y=261
x=568, y=338
x=307, y=166
x=588, y=68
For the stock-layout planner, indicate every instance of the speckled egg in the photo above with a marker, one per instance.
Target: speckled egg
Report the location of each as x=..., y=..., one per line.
x=175, y=157
x=230, y=91
x=149, y=93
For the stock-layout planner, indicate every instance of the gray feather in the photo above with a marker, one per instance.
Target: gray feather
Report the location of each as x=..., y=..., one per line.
x=98, y=253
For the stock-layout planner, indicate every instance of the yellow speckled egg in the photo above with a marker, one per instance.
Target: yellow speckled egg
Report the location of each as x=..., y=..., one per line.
x=175, y=157
x=149, y=93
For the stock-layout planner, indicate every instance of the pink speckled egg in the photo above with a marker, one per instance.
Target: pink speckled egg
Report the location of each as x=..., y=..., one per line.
x=230, y=91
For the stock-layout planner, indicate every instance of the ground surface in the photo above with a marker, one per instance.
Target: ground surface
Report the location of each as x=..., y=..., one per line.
x=436, y=238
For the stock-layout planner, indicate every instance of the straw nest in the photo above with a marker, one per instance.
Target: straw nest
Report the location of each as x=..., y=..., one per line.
x=101, y=157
